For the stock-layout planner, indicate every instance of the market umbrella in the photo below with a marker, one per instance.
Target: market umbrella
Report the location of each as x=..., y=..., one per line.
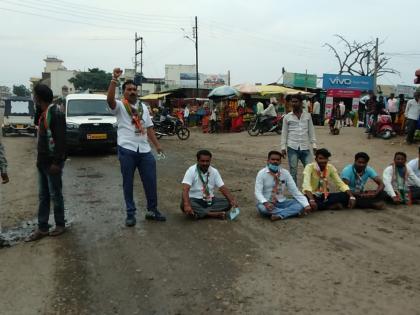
x=246, y=88
x=277, y=89
x=223, y=91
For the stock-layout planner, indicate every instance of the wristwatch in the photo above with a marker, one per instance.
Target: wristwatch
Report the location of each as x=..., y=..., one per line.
x=353, y=198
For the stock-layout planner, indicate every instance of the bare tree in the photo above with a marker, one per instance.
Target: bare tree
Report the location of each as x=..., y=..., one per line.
x=359, y=58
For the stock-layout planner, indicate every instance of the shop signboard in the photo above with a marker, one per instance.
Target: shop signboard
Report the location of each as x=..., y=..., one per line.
x=344, y=93
x=406, y=90
x=347, y=82
x=300, y=80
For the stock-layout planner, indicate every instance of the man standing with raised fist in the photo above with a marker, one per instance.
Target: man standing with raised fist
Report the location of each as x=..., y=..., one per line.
x=135, y=129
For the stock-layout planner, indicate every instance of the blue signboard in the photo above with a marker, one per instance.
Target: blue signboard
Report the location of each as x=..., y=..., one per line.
x=350, y=82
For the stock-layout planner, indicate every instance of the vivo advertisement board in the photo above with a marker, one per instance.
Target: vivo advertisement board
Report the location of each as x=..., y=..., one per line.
x=336, y=81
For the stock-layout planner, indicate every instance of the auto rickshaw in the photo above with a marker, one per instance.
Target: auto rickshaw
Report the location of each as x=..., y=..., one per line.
x=18, y=116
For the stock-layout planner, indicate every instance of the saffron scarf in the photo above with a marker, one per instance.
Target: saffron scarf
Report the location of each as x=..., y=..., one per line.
x=323, y=180
x=276, y=188
x=46, y=117
x=135, y=114
x=205, y=185
x=400, y=184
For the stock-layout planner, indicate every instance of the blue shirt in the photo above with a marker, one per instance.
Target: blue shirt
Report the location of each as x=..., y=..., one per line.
x=356, y=182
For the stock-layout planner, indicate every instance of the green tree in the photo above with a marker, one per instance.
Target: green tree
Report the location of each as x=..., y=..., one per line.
x=21, y=90
x=94, y=79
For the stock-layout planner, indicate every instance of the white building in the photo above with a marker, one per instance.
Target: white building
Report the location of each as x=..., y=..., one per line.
x=59, y=76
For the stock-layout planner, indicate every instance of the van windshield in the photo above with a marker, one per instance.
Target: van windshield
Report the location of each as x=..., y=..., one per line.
x=88, y=108
x=20, y=108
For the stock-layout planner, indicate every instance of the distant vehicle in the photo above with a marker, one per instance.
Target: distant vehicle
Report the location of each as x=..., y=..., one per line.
x=90, y=123
x=19, y=115
x=259, y=125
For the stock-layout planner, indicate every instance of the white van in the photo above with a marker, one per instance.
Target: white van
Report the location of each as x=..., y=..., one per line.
x=90, y=122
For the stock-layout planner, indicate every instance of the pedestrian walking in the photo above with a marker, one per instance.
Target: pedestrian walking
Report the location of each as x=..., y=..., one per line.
x=50, y=162
x=298, y=135
x=135, y=129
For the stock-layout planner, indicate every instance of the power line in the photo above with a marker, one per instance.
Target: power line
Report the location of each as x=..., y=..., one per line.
x=79, y=22
x=92, y=17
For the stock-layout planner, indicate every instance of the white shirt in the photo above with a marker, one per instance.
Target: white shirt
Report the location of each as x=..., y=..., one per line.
x=412, y=110
x=260, y=107
x=413, y=180
x=264, y=184
x=342, y=109
x=392, y=105
x=298, y=133
x=192, y=179
x=186, y=112
x=414, y=165
x=317, y=108
x=127, y=136
x=270, y=111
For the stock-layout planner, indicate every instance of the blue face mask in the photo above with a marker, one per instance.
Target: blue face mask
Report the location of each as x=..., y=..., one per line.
x=273, y=168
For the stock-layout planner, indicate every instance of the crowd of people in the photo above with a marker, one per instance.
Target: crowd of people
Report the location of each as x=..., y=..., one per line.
x=400, y=182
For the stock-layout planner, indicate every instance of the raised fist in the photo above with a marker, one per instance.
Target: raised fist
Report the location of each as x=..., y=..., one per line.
x=116, y=73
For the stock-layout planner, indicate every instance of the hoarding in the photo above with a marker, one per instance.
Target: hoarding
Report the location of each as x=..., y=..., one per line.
x=348, y=82
x=300, y=80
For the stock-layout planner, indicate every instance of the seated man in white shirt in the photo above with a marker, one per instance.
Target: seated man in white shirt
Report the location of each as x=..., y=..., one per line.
x=414, y=189
x=270, y=186
x=200, y=180
x=397, y=178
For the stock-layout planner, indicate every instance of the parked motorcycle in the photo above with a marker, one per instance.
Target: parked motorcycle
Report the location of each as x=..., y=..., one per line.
x=383, y=127
x=260, y=125
x=171, y=127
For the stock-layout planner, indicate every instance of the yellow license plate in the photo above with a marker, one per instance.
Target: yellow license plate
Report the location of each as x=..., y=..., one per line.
x=97, y=136
x=19, y=126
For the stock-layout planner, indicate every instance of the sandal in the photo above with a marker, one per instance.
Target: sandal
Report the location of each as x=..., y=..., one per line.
x=36, y=235
x=57, y=231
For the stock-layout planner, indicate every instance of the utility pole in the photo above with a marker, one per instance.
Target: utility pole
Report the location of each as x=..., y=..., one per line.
x=195, y=35
x=136, y=52
x=375, y=73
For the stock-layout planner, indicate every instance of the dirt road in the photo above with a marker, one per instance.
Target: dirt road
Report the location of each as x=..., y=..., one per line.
x=342, y=262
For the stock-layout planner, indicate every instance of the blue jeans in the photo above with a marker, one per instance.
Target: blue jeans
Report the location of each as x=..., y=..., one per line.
x=285, y=209
x=294, y=156
x=50, y=188
x=146, y=164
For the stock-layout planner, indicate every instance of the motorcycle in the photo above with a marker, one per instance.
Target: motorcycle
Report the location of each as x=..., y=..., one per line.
x=259, y=125
x=383, y=127
x=171, y=127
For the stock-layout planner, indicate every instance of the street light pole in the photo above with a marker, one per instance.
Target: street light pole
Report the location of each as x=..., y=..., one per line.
x=196, y=56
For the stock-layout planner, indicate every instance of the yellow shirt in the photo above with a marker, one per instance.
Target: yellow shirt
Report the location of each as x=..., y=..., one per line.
x=311, y=178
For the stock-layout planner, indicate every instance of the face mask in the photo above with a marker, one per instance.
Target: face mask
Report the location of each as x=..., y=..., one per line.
x=273, y=168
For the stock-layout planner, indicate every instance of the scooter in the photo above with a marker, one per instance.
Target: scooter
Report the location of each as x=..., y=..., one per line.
x=383, y=127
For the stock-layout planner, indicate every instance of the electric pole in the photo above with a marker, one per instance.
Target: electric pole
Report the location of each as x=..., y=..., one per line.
x=195, y=35
x=136, y=52
x=375, y=73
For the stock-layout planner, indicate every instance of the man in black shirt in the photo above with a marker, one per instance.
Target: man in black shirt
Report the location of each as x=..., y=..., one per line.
x=50, y=162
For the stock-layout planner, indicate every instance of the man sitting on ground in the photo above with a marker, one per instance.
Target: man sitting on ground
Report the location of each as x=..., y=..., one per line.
x=270, y=187
x=198, y=198
x=414, y=189
x=356, y=176
x=316, y=177
x=397, y=179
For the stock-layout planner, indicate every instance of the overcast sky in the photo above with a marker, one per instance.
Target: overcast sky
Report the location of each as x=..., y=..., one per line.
x=252, y=39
